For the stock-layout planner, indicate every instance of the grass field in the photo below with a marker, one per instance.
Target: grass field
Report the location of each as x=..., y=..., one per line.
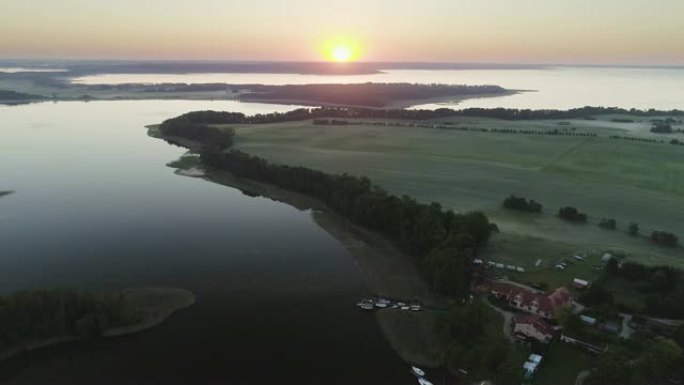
x=625, y=180
x=563, y=364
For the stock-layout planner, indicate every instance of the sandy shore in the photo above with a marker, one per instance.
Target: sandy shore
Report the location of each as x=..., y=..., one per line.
x=386, y=271
x=152, y=306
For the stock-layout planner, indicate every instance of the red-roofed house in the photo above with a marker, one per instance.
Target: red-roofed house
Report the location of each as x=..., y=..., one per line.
x=526, y=326
x=544, y=305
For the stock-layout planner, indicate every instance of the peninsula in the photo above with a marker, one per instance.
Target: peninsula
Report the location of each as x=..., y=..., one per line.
x=40, y=318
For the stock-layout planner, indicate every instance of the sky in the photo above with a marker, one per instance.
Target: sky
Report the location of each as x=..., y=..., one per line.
x=497, y=31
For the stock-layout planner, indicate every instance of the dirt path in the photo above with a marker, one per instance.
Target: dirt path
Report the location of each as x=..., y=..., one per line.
x=508, y=318
x=582, y=376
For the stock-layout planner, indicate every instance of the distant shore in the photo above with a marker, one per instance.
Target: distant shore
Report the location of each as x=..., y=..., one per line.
x=363, y=95
x=152, y=306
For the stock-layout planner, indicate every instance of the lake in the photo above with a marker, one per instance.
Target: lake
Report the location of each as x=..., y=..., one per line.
x=553, y=87
x=95, y=207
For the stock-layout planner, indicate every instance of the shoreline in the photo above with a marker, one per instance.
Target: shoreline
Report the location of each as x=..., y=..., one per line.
x=385, y=270
x=94, y=95
x=396, y=104
x=154, y=306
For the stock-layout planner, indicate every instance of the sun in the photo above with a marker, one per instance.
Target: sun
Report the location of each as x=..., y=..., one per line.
x=341, y=54
x=340, y=49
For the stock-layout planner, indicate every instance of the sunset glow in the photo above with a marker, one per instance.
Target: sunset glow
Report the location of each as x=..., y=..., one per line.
x=351, y=30
x=341, y=49
x=341, y=54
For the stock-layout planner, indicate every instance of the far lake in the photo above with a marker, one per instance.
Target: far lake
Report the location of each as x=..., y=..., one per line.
x=96, y=207
x=555, y=87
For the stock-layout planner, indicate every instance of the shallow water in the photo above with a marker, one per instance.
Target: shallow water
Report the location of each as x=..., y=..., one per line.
x=555, y=87
x=96, y=207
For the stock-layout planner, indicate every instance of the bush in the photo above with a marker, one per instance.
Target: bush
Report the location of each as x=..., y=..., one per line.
x=572, y=214
x=609, y=224
x=518, y=203
x=664, y=238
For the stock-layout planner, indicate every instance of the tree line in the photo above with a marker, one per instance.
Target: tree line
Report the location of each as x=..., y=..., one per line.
x=455, y=127
x=374, y=113
x=40, y=314
x=572, y=214
x=662, y=287
x=442, y=242
x=674, y=141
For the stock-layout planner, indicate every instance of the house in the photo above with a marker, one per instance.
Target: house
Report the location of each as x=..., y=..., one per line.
x=544, y=305
x=580, y=284
x=527, y=326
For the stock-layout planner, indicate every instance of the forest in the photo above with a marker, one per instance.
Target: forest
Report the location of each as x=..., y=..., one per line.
x=661, y=286
x=367, y=95
x=40, y=314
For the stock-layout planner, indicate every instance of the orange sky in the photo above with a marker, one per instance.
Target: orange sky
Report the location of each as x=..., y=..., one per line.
x=541, y=31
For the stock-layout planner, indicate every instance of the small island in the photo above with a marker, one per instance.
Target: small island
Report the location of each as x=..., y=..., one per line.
x=40, y=318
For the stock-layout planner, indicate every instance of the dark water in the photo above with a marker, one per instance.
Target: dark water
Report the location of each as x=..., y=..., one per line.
x=95, y=207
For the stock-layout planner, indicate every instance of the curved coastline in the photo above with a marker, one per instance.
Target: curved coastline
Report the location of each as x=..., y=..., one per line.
x=152, y=306
x=386, y=270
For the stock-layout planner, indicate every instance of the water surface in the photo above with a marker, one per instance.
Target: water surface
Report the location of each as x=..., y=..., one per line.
x=95, y=207
x=555, y=87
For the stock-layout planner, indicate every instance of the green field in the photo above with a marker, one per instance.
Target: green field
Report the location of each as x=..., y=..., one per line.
x=563, y=364
x=625, y=180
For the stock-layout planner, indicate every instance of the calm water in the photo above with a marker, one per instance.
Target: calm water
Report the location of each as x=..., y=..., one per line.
x=95, y=207
x=559, y=87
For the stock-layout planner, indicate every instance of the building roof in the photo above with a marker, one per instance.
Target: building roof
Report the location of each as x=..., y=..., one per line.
x=545, y=303
x=535, y=358
x=536, y=322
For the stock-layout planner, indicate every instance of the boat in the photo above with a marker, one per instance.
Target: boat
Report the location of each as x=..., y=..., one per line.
x=381, y=305
x=423, y=381
x=417, y=371
x=415, y=307
x=401, y=304
x=405, y=307
x=366, y=305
